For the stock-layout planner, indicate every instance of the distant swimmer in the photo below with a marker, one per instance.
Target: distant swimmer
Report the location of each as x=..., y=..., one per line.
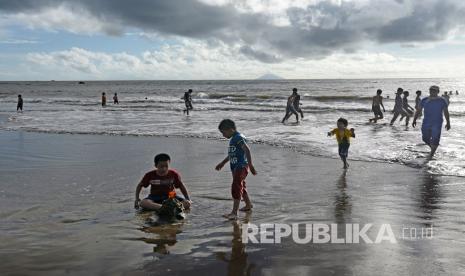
x=398, y=106
x=456, y=92
x=188, y=101
x=434, y=109
x=417, y=102
x=290, y=109
x=104, y=100
x=376, y=106
x=446, y=97
x=297, y=102
x=19, y=107
x=115, y=99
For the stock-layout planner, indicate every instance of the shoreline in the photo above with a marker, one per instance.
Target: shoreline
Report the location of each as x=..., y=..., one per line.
x=294, y=149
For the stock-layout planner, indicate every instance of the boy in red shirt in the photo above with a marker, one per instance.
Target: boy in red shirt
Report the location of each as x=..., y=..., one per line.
x=162, y=181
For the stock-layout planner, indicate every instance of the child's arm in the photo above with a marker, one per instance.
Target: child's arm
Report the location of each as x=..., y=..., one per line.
x=185, y=193
x=381, y=103
x=331, y=133
x=138, y=189
x=222, y=163
x=246, y=150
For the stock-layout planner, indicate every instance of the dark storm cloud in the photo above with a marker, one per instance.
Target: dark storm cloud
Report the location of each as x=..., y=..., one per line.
x=259, y=55
x=314, y=32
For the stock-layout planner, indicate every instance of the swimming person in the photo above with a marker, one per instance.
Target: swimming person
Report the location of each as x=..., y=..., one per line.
x=446, y=97
x=408, y=109
x=434, y=108
x=398, y=106
x=115, y=99
x=376, y=106
x=187, y=101
x=290, y=108
x=104, y=100
x=297, y=102
x=417, y=102
x=19, y=106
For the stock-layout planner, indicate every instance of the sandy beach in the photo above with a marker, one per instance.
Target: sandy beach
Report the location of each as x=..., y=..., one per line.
x=67, y=208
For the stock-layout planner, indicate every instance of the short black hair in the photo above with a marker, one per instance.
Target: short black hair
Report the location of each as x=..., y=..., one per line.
x=343, y=121
x=161, y=157
x=418, y=92
x=406, y=93
x=379, y=91
x=19, y=95
x=190, y=90
x=227, y=124
x=400, y=89
x=294, y=89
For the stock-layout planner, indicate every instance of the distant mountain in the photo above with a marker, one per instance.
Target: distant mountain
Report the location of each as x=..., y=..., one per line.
x=270, y=77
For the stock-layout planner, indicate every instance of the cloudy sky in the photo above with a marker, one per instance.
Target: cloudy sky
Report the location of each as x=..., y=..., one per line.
x=230, y=39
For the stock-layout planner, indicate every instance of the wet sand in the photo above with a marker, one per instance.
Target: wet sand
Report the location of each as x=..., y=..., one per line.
x=66, y=206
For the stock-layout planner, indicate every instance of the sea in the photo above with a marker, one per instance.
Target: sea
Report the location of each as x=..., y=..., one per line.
x=155, y=108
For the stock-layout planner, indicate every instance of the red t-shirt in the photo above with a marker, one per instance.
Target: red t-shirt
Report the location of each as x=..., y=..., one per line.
x=162, y=185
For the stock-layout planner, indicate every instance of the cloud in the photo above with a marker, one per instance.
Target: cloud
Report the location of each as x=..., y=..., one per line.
x=197, y=60
x=267, y=30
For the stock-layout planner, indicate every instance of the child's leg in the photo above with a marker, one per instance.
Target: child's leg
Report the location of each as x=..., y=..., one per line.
x=150, y=205
x=248, y=204
x=394, y=118
x=343, y=152
x=237, y=189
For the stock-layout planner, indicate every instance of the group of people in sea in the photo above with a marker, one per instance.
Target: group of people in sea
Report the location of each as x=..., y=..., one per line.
x=164, y=181
x=104, y=99
x=433, y=107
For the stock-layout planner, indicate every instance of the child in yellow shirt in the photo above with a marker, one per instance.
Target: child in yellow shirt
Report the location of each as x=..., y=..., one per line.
x=343, y=136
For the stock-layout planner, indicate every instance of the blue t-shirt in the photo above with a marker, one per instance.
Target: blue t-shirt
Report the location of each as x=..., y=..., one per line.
x=433, y=110
x=237, y=158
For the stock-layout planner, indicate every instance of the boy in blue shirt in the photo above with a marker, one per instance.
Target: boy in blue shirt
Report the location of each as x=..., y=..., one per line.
x=240, y=159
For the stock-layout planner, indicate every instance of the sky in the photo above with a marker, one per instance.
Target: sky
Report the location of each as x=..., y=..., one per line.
x=230, y=39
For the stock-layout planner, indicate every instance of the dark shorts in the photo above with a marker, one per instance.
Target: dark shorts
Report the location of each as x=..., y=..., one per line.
x=344, y=149
x=189, y=105
x=431, y=135
x=19, y=106
x=377, y=111
x=238, y=187
x=159, y=199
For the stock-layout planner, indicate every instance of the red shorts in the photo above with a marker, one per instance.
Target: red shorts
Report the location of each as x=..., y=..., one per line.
x=238, y=185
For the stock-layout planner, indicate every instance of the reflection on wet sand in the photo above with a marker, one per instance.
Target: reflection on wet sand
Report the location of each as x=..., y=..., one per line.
x=165, y=232
x=237, y=260
x=430, y=197
x=342, y=205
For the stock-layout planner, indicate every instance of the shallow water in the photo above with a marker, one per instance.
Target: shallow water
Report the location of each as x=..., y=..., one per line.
x=66, y=207
x=256, y=106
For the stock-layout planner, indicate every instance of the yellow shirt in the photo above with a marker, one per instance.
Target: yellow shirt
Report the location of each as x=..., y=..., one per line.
x=341, y=137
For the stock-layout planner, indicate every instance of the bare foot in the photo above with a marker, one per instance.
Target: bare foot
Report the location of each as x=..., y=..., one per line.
x=246, y=208
x=230, y=216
